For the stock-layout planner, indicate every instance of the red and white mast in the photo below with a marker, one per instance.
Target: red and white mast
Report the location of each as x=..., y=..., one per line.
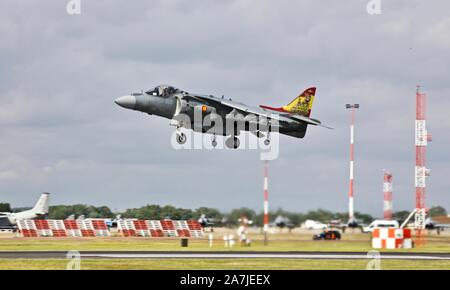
x=266, y=202
x=353, y=107
x=421, y=172
x=387, y=191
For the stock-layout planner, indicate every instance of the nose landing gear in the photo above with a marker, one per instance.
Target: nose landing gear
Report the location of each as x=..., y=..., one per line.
x=181, y=137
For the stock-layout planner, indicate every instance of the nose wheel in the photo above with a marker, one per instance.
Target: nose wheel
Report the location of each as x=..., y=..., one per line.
x=181, y=137
x=232, y=142
x=214, y=141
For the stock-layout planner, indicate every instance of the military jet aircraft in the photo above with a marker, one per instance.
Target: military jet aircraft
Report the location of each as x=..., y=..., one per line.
x=172, y=103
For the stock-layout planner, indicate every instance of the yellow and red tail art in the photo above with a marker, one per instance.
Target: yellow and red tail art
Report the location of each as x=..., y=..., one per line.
x=301, y=105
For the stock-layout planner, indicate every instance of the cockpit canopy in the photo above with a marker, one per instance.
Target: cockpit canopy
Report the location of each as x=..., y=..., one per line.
x=163, y=91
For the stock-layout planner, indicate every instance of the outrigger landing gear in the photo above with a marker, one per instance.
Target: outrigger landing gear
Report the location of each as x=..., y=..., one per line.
x=232, y=142
x=267, y=141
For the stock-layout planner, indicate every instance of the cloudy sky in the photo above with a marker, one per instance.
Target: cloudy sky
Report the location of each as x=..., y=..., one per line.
x=61, y=132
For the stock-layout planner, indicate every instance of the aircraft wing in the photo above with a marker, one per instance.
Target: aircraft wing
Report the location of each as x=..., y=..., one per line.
x=245, y=109
x=227, y=103
x=242, y=108
x=277, y=116
x=250, y=110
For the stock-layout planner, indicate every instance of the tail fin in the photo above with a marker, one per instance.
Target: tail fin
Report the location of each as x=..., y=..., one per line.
x=41, y=206
x=303, y=103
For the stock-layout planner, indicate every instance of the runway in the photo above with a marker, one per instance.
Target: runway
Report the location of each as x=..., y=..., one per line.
x=221, y=255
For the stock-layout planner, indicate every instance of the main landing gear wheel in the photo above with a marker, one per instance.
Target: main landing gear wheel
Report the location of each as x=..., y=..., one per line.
x=232, y=142
x=181, y=138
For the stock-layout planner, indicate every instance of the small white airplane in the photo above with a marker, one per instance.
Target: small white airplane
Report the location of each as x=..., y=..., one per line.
x=314, y=225
x=39, y=210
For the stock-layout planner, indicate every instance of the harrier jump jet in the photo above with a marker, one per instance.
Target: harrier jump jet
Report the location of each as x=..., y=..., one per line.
x=172, y=103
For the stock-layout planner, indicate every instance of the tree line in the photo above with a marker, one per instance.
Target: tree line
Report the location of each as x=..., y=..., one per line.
x=158, y=212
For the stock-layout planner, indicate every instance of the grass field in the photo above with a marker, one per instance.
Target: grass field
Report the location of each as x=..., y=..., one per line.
x=138, y=244
x=218, y=264
x=299, y=241
x=279, y=242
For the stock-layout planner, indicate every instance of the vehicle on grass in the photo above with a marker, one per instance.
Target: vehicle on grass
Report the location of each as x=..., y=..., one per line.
x=381, y=224
x=327, y=235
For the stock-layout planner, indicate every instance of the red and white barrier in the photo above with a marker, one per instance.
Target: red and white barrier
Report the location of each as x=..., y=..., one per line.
x=126, y=227
x=141, y=228
x=157, y=228
x=98, y=228
x=63, y=228
x=57, y=227
x=182, y=228
x=195, y=228
x=43, y=228
x=72, y=229
x=168, y=228
x=391, y=238
x=27, y=228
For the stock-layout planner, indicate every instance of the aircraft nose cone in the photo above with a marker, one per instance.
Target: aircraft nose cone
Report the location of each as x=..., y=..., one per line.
x=128, y=102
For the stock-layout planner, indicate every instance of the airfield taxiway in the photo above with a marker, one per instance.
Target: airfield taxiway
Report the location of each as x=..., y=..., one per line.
x=223, y=255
